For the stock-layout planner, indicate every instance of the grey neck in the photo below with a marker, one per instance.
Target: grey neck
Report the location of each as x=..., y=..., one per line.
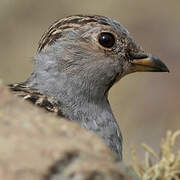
x=81, y=99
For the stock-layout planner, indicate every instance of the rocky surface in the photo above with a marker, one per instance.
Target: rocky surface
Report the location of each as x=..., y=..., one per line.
x=36, y=145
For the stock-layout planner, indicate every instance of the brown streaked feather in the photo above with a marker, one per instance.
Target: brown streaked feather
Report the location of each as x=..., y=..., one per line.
x=54, y=32
x=33, y=96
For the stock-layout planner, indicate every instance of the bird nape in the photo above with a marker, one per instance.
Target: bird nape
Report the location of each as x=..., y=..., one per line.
x=79, y=58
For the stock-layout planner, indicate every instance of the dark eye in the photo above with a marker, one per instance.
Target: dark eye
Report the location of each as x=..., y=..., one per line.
x=106, y=39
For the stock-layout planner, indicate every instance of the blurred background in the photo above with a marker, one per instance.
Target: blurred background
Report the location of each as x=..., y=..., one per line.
x=146, y=105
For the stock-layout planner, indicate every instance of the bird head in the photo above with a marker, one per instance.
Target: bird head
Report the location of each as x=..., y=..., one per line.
x=96, y=49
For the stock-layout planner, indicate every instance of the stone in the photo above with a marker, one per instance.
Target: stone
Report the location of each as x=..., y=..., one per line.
x=37, y=145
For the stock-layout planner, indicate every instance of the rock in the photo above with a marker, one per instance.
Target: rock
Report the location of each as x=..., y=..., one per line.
x=36, y=145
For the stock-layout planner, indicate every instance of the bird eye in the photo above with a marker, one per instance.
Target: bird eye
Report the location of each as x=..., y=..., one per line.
x=106, y=39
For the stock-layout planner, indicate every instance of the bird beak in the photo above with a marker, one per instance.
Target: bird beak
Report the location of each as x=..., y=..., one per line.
x=148, y=63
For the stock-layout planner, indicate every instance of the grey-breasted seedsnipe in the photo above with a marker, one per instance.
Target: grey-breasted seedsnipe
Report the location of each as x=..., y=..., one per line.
x=79, y=59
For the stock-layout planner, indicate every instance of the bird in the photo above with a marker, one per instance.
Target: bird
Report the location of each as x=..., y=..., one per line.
x=78, y=60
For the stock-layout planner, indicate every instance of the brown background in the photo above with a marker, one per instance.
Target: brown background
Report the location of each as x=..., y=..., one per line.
x=145, y=104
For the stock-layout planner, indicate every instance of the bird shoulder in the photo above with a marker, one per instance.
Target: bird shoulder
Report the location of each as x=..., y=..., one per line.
x=32, y=95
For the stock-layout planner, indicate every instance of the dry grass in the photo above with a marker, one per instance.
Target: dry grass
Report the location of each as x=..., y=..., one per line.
x=165, y=166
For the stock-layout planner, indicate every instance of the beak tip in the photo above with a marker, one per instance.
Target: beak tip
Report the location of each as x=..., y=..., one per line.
x=164, y=68
x=159, y=64
x=168, y=71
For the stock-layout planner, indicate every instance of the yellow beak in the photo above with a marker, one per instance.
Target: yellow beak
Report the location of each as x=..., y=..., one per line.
x=149, y=64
